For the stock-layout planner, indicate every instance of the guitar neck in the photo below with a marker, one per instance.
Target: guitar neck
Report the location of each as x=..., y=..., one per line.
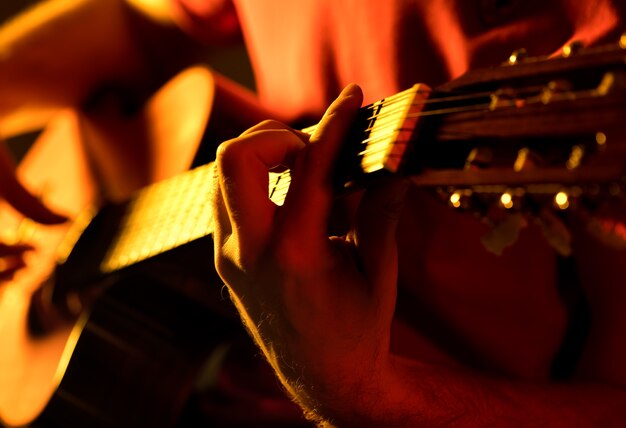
x=177, y=211
x=543, y=128
x=162, y=217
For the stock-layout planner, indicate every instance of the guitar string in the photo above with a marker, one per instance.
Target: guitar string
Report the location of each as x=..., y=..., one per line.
x=387, y=105
x=385, y=108
x=283, y=183
x=385, y=102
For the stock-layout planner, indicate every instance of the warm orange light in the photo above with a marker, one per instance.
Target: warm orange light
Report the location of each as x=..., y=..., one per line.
x=455, y=199
x=506, y=200
x=561, y=200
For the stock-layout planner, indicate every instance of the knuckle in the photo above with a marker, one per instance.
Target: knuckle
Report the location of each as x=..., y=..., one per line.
x=271, y=124
x=223, y=265
x=226, y=149
x=229, y=154
x=235, y=257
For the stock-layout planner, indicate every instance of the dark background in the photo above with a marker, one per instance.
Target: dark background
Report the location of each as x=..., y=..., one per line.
x=10, y=7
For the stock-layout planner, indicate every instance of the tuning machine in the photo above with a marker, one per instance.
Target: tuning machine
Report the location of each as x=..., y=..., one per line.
x=517, y=56
x=572, y=48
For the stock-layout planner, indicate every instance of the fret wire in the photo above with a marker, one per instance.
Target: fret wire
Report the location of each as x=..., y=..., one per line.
x=388, y=112
x=385, y=102
x=194, y=220
x=372, y=150
x=378, y=137
x=177, y=222
x=380, y=122
x=431, y=101
x=394, y=98
x=283, y=186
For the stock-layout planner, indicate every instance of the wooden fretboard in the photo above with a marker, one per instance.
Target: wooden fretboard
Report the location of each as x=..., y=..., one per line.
x=176, y=211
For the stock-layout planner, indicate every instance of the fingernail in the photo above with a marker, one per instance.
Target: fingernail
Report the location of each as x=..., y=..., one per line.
x=350, y=90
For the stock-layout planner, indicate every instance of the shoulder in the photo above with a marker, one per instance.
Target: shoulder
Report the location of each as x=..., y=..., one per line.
x=208, y=21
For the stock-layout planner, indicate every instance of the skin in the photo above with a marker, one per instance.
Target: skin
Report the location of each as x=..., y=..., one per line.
x=321, y=308
x=57, y=54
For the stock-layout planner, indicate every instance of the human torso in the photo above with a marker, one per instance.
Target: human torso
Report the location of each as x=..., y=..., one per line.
x=458, y=302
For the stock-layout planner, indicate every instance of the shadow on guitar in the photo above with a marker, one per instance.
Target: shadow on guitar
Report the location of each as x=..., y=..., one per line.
x=130, y=347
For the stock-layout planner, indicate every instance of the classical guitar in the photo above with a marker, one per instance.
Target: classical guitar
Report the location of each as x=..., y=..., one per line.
x=535, y=136
x=79, y=160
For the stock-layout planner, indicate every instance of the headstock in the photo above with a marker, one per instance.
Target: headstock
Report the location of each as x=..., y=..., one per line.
x=534, y=138
x=527, y=140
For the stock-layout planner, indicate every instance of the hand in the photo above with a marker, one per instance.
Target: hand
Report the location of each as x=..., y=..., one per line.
x=11, y=259
x=18, y=197
x=320, y=308
x=12, y=255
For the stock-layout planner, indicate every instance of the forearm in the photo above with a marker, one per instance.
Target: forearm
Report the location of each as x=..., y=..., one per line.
x=412, y=394
x=56, y=54
x=53, y=54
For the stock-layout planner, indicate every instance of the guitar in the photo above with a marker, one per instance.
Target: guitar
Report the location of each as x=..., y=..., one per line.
x=530, y=136
x=40, y=382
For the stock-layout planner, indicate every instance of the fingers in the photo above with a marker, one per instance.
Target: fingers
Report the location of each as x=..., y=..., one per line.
x=18, y=197
x=12, y=259
x=244, y=213
x=244, y=210
x=274, y=124
x=308, y=203
x=375, y=233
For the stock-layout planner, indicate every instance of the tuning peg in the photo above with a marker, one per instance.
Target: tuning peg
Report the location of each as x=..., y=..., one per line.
x=555, y=87
x=571, y=48
x=601, y=139
x=517, y=56
x=512, y=199
x=526, y=159
x=479, y=157
x=462, y=199
x=455, y=200
x=506, y=200
x=562, y=200
x=575, y=157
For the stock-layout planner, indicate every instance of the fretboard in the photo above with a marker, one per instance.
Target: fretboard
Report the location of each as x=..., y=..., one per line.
x=169, y=214
x=177, y=211
x=161, y=217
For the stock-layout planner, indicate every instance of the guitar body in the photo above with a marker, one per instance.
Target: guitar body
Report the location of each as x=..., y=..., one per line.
x=133, y=354
x=28, y=365
x=121, y=341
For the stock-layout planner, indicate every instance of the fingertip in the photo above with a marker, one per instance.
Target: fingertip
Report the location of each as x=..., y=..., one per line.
x=353, y=92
